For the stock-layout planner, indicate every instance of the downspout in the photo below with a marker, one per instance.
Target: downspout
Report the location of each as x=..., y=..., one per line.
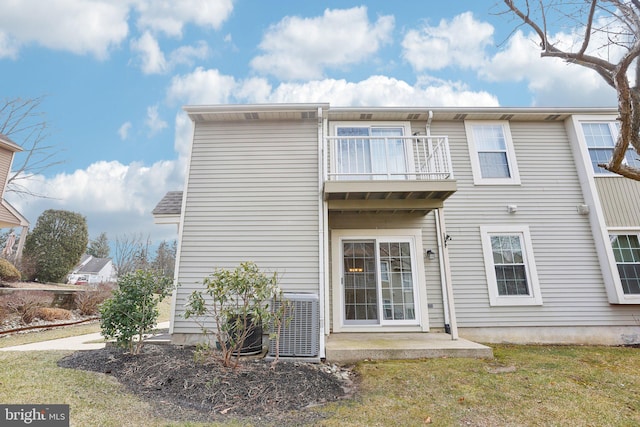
x=322, y=247
x=443, y=237
x=443, y=280
x=443, y=274
x=429, y=123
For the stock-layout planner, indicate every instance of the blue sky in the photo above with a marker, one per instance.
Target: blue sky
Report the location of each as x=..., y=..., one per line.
x=116, y=74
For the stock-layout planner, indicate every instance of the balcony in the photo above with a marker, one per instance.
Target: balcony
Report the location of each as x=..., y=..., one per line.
x=388, y=173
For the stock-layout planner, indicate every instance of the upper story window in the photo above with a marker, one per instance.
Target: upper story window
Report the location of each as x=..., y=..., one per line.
x=493, y=158
x=372, y=151
x=601, y=138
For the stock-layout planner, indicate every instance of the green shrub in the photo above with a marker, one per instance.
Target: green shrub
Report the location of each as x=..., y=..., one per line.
x=8, y=272
x=237, y=300
x=132, y=311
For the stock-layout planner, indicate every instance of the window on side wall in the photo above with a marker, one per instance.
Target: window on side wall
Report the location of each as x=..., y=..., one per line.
x=601, y=138
x=626, y=249
x=493, y=158
x=510, y=267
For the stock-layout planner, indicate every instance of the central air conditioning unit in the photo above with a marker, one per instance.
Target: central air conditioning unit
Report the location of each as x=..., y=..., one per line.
x=300, y=330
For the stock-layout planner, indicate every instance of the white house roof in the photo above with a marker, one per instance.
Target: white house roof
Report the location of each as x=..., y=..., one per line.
x=93, y=266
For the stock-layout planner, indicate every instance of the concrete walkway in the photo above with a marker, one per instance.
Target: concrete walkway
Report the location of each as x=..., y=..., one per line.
x=80, y=342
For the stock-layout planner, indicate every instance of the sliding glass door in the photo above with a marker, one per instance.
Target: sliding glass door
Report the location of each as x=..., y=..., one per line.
x=379, y=282
x=371, y=153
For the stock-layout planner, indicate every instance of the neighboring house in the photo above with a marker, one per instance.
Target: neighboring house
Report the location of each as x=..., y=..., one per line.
x=92, y=270
x=492, y=224
x=9, y=216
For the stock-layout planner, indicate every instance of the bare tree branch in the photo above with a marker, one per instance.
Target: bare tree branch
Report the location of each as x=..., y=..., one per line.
x=621, y=26
x=24, y=123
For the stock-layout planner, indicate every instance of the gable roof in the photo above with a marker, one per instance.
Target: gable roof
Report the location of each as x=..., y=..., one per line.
x=93, y=266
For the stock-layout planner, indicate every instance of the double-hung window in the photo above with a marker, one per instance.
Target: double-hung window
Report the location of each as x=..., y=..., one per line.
x=510, y=268
x=626, y=250
x=601, y=138
x=493, y=158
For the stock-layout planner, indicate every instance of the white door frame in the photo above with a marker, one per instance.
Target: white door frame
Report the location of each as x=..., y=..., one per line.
x=415, y=237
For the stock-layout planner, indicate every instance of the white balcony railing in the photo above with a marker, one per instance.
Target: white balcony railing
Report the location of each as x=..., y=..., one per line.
x=388, y=158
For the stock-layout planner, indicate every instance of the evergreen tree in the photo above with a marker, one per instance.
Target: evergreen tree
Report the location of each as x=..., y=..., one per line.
x=56, y=244
x=165, y=260
x=99, y=247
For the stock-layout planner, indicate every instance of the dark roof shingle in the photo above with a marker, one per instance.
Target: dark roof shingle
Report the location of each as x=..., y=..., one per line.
x=171, y=204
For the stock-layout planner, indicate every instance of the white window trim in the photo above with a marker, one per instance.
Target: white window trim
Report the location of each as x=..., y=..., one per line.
x=408, y=149
x=611, y=121
x=622, y=297
x=422, y=316
x=529, y=262
x=601, y=232
x=514, y=179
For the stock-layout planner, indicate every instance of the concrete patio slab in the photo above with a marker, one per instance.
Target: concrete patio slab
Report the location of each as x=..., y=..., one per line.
x=352, y=347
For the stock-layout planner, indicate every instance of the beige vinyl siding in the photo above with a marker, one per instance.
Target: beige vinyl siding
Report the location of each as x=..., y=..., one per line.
x=252, y=195
x=619, y=198
x=6, y=158
x=570, y=280
x=374, y=220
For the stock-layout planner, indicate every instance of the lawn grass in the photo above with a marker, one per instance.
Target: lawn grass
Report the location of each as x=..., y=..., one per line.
x=523, y=385
x=70, y=331
x=94, y=399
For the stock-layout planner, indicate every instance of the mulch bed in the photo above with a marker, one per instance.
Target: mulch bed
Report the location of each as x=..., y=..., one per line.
x=183, y=387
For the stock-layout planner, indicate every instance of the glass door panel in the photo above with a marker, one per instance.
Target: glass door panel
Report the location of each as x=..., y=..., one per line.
x=370, y=157
x=398, y=290
x=388, y=156
x=360, y=282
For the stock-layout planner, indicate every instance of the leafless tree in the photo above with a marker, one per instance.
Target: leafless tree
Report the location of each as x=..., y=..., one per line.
x=131, y=253
x=22, y=120
x=609, y=43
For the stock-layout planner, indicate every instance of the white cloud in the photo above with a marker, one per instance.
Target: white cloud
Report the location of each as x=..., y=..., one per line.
x=153, y=61
x=383, y=91
x=78, y=26
x=459, y=42
x=202, y=87
x=8, y=47
x=551, y=81
x=115, y=198
x=123, y=131
x=185, y=55
x=211, y=87
x=153, y=121
x=301, y=48
x=170, y=17
x=151, y=57
x=182, y=140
